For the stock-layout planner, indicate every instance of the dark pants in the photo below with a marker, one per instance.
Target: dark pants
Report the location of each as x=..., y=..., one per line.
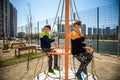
x=84, y=59
x=46, y=50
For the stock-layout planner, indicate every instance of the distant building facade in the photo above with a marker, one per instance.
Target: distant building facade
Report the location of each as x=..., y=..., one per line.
x=117, y=27
x=1, y=18
x=104, y=31
x=83, y=29
x=5, y=18
x=89, y=31
x=108, y=32
x=95, y=31
x=13, y=21
x=100, y=31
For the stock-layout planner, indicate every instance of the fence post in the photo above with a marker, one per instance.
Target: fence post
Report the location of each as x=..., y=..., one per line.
x=58, y=32
x=38, y=32
x=97, y=29
x=119, y=28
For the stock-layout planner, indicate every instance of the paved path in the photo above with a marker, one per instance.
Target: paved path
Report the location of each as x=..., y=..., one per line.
x=104, y=65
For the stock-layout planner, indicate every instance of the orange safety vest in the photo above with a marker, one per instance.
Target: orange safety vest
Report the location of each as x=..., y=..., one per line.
x=74, y=35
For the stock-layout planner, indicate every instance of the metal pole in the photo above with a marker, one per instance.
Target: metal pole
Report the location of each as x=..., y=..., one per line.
x=58, y=31
x=98, y=30
x=66, y=37
x=26, y=33
x=22, y=33
x=28, y=25
x=119, y=29
x=74, y=16
x=3, y=32
x=38, y=32
x=30, y=22
x=35, y=35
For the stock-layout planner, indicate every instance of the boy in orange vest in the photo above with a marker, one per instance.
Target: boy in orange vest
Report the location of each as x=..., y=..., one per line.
x=79, y=49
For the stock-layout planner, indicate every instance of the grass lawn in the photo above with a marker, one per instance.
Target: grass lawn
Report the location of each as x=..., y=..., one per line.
x=22, y=58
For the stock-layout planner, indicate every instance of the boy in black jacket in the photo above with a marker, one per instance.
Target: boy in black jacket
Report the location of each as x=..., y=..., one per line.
x=79, y=49
x=46, y=41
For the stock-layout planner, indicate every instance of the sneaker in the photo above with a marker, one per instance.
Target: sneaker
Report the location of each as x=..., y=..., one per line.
x=76, y=74
x=85, y=71
x=57, y=68
x=51, y=71
x=79, y=77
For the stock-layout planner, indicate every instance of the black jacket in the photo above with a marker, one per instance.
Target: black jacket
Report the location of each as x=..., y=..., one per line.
x=45, y=40
x=77, y=46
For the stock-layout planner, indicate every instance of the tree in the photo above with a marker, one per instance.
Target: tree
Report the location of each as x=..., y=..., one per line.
x=21, y=35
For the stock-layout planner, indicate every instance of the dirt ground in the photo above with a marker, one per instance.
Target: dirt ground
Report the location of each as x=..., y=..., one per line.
x=107, y=67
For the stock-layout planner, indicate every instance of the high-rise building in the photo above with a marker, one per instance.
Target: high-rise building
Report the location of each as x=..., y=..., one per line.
x=95, y=31
x=113, y=31
x=89, y=31
x=62, y=28
x=108, y=31
x=117, y=27
x=1, y=18
x=13, y=21
x=100, y=31
x=83, y=29
x=104, y=31
x=5, y=19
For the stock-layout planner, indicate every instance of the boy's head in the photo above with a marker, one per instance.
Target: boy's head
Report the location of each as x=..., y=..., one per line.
x=47, y=29
x=77, y=26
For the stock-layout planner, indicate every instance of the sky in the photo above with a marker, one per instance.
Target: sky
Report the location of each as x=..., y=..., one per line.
x=45, y=9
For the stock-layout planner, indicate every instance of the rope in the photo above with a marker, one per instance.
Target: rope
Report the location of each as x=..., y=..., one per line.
x=74, y=65
x=56, y=15
x=41, y=65
x=35, y=73
x=59, y=67
x=71, y=12
x=76, y=9
x=60, y=26
x=71, y=9
x=93, y=69
x=36, y=67
x=60, y=20
x=62, y=12
x=28, y=60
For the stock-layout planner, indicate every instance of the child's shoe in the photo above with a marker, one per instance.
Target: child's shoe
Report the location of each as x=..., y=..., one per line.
x=79, y=77
x=85, y=71
x=51, y=71
x=57, y=68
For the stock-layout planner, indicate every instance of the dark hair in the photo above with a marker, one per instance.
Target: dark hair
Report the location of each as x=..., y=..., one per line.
x=47, y=26
x=77, y=23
